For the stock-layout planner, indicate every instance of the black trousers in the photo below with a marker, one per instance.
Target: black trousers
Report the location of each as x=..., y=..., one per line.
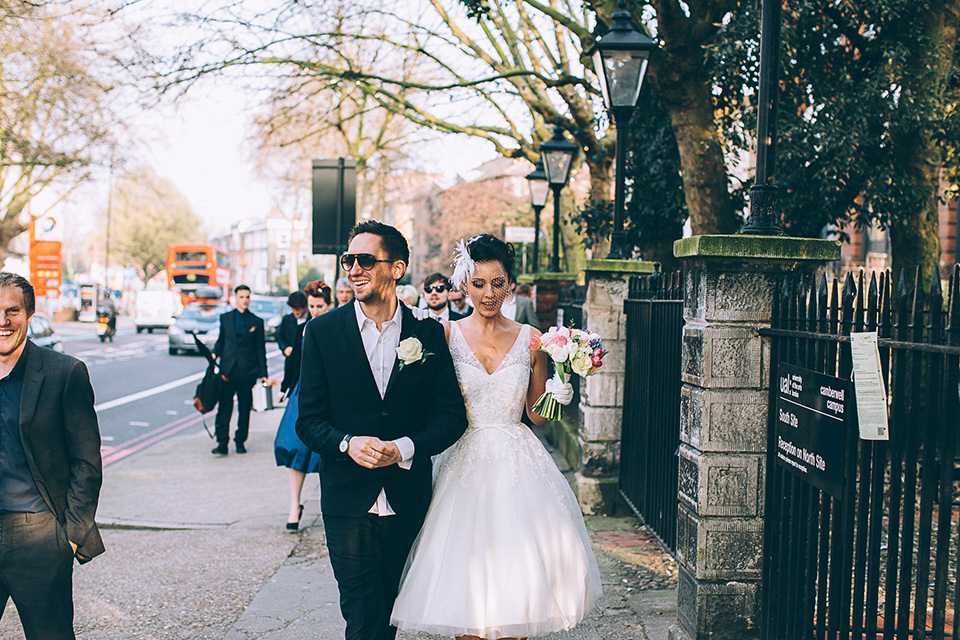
x=243, y=389
x=368, y=554
x=36, y=570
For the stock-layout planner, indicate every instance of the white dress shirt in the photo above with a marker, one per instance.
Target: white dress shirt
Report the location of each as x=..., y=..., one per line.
x=443, y=315
x=381, y=349
x=509, y=308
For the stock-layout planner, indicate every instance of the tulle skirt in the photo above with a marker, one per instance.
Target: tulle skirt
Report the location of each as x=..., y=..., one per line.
x=503, y=550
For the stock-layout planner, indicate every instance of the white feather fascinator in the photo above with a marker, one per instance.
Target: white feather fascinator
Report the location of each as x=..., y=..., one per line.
x=463, y=264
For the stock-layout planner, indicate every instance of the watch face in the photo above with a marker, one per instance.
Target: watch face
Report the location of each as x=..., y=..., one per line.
x=343, y=446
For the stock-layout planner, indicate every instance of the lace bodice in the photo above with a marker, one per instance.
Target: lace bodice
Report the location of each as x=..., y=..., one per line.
x=492, y=399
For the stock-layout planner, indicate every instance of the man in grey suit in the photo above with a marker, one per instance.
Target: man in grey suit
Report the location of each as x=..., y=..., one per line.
x=520, y=307
x=51, y=470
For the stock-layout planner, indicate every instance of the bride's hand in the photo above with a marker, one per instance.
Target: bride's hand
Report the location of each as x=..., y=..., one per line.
x=562, y=391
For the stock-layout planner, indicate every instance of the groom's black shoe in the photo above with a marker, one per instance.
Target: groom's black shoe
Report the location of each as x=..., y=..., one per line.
x=241, y=448
x=219, y=450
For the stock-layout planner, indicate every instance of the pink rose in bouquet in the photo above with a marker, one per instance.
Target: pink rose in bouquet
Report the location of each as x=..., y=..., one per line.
x=572, y=351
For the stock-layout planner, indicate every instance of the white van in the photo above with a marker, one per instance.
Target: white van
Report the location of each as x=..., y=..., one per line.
x=157, y=309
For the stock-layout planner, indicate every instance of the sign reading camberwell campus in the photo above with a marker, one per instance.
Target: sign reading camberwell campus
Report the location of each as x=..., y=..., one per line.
x=811, y=416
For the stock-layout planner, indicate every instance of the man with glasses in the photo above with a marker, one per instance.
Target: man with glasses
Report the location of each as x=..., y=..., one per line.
x=378, y=398
x=436, y=289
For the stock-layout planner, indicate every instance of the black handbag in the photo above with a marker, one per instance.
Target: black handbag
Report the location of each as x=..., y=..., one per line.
x=208, y=391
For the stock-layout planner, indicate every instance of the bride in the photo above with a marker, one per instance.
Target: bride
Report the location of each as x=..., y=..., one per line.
x=503, y=551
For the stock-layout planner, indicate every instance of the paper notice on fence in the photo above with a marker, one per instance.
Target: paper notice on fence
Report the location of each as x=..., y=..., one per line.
x=870, y=390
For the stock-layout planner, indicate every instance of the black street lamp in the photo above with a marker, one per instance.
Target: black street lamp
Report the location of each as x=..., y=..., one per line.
x=764, y=217
x=557, y=155
x=620, y=60
x=539, y=192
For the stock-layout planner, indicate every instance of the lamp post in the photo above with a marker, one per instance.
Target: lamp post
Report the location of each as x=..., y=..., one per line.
x=557, y=155
x=620, y=60
x=764, y=217
x=539, y=191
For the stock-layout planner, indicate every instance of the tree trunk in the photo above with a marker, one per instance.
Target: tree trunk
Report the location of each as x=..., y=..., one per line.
x=917, y=241
x=685, y=90
x=601, y=188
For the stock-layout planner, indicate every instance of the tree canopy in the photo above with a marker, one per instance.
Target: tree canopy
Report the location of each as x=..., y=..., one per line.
x=868, y=114
x=147, y=213
x=56, y=119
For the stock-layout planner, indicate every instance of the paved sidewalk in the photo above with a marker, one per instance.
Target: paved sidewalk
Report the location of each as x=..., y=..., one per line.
x=196, y=548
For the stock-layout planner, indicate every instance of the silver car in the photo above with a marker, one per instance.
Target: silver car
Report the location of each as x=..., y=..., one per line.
x=271, y=311
x=41, y=332
x=199, y=318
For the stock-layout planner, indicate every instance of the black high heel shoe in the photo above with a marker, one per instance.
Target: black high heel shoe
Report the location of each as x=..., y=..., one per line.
x=293, y=526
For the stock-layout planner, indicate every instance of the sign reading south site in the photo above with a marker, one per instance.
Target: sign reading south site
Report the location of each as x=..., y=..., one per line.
x=811, y=415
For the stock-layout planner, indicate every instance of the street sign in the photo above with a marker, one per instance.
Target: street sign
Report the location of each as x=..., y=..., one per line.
x=519, y=234
x=334, y=204
x=46, y=273
x=811, y=416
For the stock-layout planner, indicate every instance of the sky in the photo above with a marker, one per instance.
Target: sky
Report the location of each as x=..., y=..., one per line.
x=202, y=147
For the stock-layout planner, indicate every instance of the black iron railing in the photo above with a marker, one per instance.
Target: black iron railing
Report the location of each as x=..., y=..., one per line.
x=651, y=401
x=880, y=560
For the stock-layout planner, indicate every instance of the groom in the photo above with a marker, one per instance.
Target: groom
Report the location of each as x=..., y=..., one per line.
x=378, y=397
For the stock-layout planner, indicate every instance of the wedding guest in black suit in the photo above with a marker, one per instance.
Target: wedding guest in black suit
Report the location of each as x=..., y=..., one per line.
x=50, y=470
x=289, y=335
x=459, y=302
x=436, y=291
x=378, y=398
x=242, y=352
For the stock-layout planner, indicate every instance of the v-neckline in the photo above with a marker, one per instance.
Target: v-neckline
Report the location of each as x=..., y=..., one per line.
x=475, y=357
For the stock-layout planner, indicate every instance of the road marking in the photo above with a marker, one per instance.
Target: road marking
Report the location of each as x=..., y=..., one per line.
x=146, y=393
x=139, y=424
x=171, y=412
x=107, y=438
x=151, y=437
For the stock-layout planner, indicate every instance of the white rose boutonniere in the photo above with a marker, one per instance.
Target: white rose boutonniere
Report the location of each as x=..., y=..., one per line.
x=411, y=351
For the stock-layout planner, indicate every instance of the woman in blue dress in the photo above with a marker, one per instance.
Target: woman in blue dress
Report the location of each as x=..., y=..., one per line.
x=289, y=451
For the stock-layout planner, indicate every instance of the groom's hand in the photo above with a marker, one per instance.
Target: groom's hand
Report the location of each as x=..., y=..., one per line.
x=372, y=453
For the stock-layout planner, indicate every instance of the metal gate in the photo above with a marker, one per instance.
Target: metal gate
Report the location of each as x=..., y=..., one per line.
x=651, y=401
x=880, y=561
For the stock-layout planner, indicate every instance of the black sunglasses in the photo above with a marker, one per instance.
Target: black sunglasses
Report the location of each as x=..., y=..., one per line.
x=435, y=288
x=365, y=260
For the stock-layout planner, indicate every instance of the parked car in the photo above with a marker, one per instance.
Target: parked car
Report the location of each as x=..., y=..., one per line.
x=271, y=311
x=157, y=310
x=42, y=333
x=200, y=318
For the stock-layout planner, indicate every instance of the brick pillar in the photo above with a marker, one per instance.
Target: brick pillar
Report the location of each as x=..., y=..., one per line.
x=728, y=296
x=601, y=395
x=546, y=295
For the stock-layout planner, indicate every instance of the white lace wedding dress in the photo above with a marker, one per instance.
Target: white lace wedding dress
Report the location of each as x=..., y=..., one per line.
x=503, y=550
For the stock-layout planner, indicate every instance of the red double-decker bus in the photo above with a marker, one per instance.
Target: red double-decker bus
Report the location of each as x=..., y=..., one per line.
x=200, y=272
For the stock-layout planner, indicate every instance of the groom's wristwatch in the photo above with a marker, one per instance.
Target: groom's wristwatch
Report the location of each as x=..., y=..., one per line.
x=345, y=443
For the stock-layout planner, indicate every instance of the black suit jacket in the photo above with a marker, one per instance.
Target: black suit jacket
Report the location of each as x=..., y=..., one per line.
x=339, y=396
x=244, y=356
x=290, y=334
x=61, y=440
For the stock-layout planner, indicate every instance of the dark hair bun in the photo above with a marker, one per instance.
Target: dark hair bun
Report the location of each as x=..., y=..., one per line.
x=486, y=247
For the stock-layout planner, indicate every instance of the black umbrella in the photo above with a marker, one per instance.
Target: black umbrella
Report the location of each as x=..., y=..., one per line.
x=202, y=348
x=211, y=368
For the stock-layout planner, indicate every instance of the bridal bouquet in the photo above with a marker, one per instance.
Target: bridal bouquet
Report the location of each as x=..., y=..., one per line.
x=573, y=351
